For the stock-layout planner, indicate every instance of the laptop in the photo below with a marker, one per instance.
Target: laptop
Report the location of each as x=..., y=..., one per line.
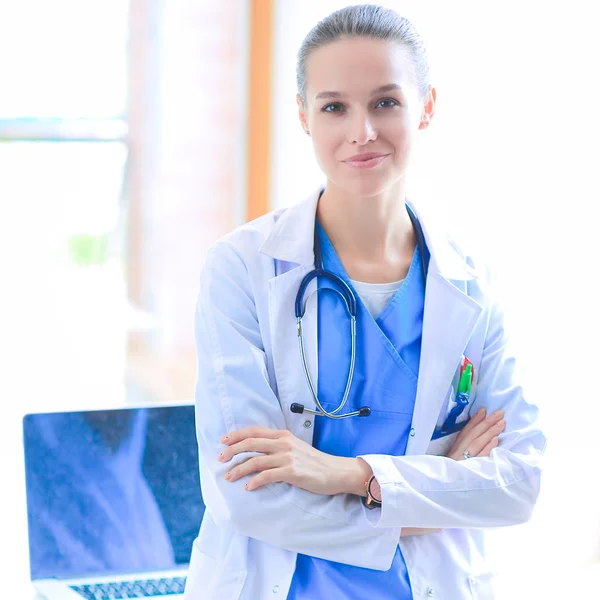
x=113, y=501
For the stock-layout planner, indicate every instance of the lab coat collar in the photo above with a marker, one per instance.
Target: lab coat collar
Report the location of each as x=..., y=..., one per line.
x=292, y=240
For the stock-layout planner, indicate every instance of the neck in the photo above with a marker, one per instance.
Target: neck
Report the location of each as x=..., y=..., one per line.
x=371, y=229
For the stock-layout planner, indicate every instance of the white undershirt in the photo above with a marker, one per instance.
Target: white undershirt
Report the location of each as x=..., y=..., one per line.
x=376, y=296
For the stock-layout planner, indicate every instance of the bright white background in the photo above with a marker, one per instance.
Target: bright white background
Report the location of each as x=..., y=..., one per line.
x=511, y=162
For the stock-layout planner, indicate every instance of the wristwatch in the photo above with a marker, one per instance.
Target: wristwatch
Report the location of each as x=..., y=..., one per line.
x=370, y=501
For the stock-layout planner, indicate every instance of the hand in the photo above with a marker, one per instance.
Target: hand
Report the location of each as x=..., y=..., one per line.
x=285, y=457
x=479, y=436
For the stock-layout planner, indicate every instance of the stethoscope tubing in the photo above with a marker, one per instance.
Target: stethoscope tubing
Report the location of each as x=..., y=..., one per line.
x=345, y=291
x=349, y=379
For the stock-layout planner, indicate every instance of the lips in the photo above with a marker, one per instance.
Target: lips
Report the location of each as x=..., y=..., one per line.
x=366, y=161
x=365, y=156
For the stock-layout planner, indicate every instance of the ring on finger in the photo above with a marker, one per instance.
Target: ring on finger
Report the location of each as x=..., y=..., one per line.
x=466, y=454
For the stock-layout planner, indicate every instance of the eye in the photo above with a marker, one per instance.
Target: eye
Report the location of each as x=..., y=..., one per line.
x=333, y=107
x=390, y=103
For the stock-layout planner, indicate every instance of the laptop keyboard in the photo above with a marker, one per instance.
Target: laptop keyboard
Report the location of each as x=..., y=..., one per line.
x=145, y=588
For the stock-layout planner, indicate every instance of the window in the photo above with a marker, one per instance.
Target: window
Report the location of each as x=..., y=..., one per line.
x=63, y=153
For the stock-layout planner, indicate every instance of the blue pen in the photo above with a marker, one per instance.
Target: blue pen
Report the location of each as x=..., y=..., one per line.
x=461, y=400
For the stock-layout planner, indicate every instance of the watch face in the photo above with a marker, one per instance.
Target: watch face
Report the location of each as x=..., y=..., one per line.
x=370, y=495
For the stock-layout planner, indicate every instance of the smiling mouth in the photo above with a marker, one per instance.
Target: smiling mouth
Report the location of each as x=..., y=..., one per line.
x=367, y=163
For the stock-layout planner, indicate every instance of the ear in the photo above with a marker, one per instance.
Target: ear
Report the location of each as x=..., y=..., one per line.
x=302, y=114
x=428, y=108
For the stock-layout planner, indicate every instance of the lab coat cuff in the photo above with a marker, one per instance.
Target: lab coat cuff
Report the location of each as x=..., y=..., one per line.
x=388, y=477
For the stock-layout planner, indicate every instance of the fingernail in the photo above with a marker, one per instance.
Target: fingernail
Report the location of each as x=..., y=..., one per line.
x=481, y=411
x=224, y=439
x=220, y=456
x=228, y=476
x=501, y=423
x=498, y=413
x=246, y=487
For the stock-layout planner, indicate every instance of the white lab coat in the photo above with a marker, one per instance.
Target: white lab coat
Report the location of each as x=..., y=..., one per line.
x=250, y=372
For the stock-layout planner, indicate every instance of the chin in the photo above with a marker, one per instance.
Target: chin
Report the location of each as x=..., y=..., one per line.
x=365, y=187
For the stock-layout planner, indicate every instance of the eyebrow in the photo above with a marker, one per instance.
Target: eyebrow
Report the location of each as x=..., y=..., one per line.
x=380, y=90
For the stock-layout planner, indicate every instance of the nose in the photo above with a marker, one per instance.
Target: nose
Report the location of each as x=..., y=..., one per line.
x=361, y=130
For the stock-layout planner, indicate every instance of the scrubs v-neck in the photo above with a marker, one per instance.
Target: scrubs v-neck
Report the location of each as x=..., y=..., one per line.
x=387, y=365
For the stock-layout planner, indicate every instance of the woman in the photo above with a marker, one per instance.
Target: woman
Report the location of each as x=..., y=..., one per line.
x=389, y=505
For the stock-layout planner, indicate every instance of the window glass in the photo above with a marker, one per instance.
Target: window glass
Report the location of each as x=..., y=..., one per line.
x=62, y=59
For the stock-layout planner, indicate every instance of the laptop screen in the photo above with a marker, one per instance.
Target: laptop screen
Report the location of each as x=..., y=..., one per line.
x=111, y=491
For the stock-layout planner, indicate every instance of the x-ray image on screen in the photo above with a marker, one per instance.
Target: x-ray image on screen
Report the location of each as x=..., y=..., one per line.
x=111, y=491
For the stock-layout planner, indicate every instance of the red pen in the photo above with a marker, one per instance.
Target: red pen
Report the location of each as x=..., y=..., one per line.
x=466, y=362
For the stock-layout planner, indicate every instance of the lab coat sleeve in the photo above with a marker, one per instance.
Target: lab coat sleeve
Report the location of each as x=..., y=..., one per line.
x=233, y=392
x=487, y=492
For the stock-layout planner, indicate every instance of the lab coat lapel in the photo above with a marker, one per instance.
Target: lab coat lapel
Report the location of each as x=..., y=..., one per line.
x=291, y=380
x=449, y=319
x=290, y=243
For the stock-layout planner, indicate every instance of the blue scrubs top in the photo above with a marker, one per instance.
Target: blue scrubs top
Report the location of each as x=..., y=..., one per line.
x=388, y=352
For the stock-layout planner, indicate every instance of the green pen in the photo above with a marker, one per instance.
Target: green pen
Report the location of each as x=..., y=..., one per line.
x=464, y=384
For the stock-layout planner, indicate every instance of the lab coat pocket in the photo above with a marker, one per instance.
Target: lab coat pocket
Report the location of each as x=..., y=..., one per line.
x=442, y=445
x=483, y=586
x=210, y=579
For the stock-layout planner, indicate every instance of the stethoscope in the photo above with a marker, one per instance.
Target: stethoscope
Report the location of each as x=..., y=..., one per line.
x=347, y=295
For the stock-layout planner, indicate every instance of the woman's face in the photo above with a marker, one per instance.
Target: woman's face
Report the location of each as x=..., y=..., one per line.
x=362, y=97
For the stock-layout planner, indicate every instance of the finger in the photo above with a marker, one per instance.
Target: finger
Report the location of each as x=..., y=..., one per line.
x=252, y=465
x=269, y=476
x=416, y=531
x=266, y=446
x=475, y=420
x=477, y=445
x=473, y=443
x=482, y=427
x=488, y=449
x=251, y=432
